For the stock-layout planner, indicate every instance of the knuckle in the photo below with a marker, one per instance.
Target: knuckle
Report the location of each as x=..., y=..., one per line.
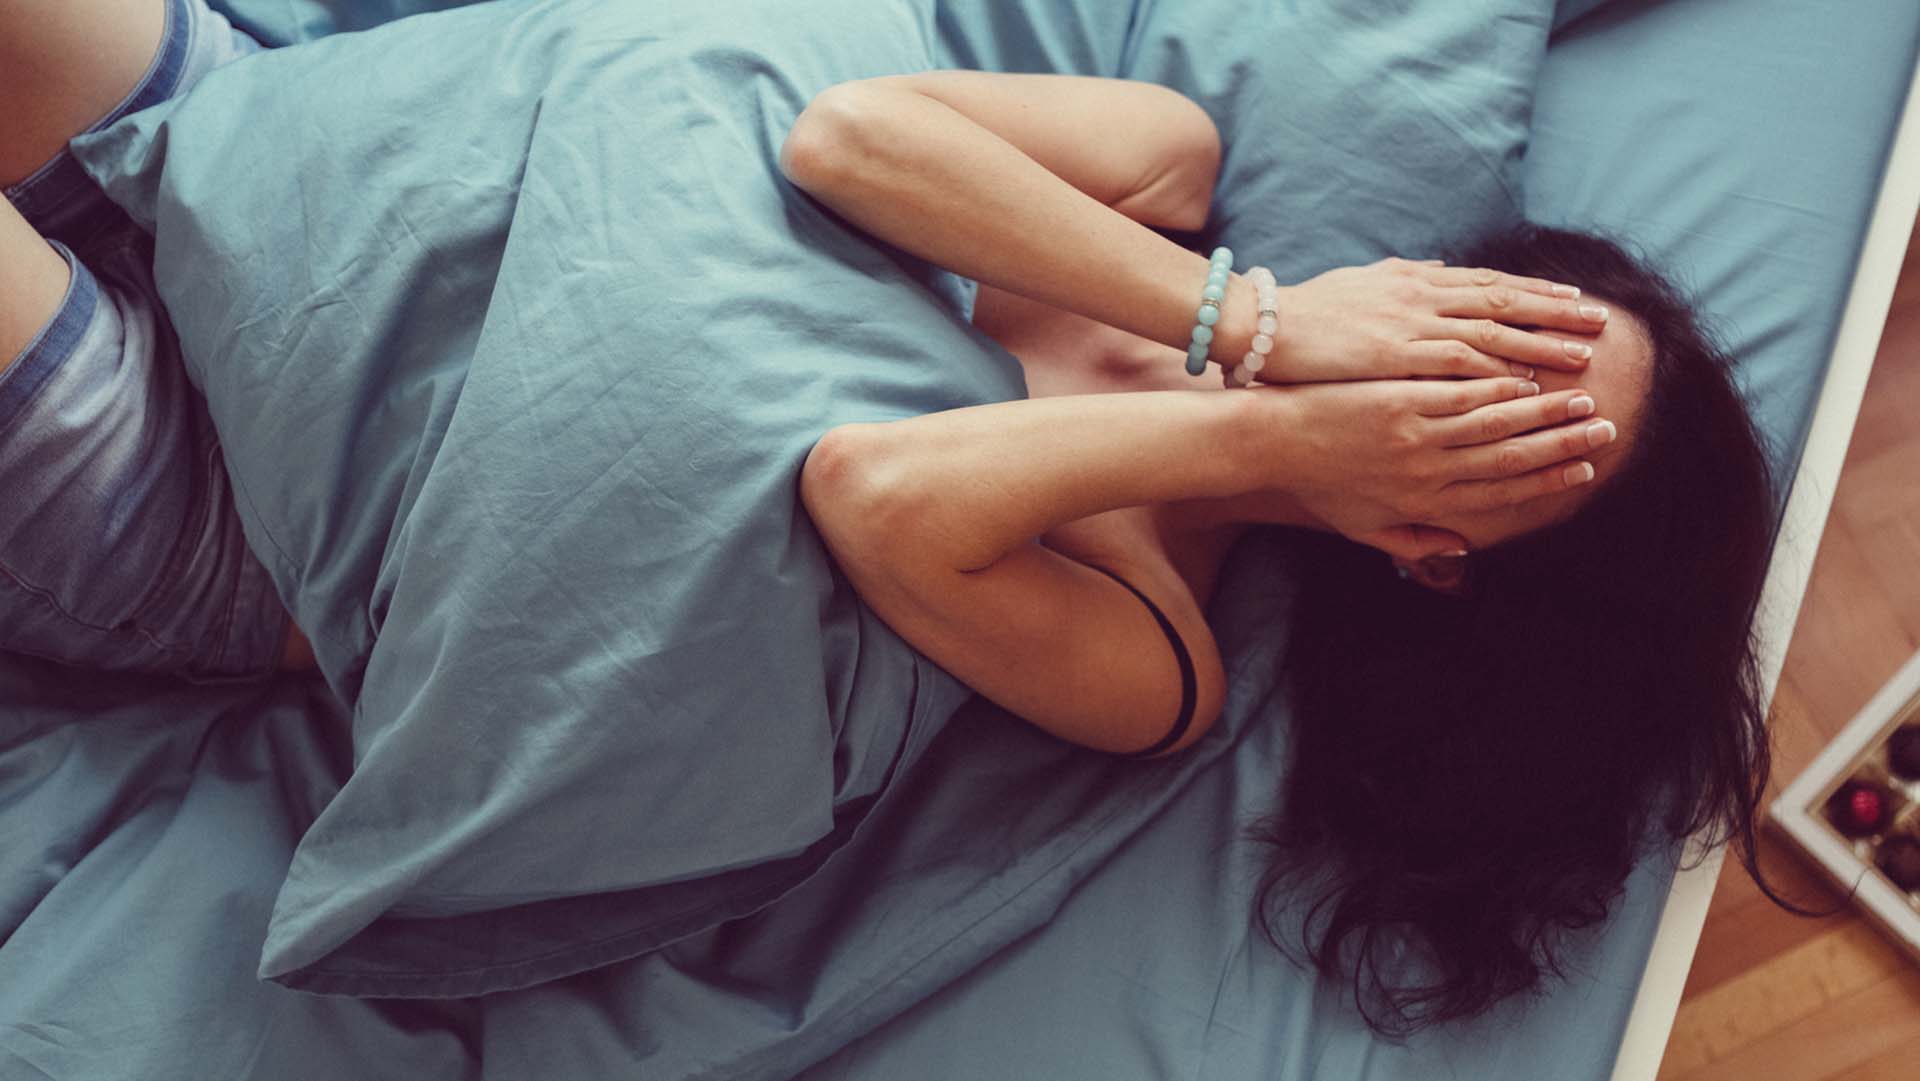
x=1485, y=276
x=1460, y=401
x=1459, y=357
x=1499, y=296
x=1487, y=332
x=1510, y=461
x=1495, y=427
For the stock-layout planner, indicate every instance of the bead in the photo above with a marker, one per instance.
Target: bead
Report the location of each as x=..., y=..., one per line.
x=1253, y=362
x=1222, y=256
x=1217, y=281
x=1267, y=325
x=1196, y=365
x=1262, y=343
x=1239, y=377
x=1214, y=292
x=1209, y=315
x=1197, y=351
x=1202, y=335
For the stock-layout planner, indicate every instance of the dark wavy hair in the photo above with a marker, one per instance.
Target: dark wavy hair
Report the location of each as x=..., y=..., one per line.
x=1474, y=776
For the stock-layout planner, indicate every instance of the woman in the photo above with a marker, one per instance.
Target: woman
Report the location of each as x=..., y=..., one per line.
x=1483, y=742
x=1152, y=487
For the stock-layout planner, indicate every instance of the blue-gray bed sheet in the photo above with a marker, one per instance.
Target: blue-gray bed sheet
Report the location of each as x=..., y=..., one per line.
x=425, y=864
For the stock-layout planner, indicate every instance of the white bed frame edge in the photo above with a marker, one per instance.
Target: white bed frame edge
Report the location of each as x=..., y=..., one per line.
x=1657, y=1001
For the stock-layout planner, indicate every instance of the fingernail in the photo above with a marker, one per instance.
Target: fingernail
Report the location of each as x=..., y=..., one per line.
x=1577, y=473
x=1571, y=292
x=1600, y=433
x=1593, y=312
x=1521, y=370
x=1528, y=390
x=1578, y=350
x=1581, y=406
x=1454, y=553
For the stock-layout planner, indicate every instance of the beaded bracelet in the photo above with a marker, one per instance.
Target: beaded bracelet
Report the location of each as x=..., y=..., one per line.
x=1218, y=267
x=1266, y=325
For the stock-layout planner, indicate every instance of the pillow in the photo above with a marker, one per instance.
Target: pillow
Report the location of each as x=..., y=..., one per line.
x=517, y=340
x=1353, y=130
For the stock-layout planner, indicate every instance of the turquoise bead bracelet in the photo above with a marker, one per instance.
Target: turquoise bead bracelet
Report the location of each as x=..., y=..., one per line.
x=1218, y=267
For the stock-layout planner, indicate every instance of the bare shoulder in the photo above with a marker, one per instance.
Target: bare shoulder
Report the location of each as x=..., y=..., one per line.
x=1127, y=543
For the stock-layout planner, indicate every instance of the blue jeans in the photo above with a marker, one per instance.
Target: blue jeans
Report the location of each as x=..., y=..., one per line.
x=119, y=545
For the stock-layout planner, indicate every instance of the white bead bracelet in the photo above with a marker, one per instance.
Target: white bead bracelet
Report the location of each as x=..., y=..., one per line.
x=1266, y=325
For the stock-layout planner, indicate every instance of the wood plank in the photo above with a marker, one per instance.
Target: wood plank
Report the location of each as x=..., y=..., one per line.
x=1848, y=1033
x=1787, y=989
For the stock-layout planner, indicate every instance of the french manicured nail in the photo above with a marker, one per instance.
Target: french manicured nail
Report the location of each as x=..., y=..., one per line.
x=1577, y=473
x=1571, y=292
x=1578, y=350
x=1600, y=433
x=1521, y=370
x=1528, y=390
x=1581, y=406
x=1593, y=313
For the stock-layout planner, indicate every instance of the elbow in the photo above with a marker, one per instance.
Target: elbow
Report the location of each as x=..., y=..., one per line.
x=843, y=483
x=831, y=137
x=1181, y=195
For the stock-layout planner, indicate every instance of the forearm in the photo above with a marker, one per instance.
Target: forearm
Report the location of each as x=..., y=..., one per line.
x=918, y=174
x=956, y=490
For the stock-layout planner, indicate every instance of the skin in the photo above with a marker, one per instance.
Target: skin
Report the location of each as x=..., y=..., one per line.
x=1198, y=533
x=974, y=532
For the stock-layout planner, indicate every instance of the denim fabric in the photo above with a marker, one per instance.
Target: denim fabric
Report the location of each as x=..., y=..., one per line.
x=119, y=545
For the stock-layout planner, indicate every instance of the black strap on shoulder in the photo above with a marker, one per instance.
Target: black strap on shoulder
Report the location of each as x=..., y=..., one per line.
x=1187, y=680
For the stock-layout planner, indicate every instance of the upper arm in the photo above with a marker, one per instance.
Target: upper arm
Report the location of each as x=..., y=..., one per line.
x=1046, y=637
x=1069, y=649
x=1139, y=147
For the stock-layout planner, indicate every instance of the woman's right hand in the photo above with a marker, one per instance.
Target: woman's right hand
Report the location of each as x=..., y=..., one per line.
x=1397, y=319
x=1374, y=456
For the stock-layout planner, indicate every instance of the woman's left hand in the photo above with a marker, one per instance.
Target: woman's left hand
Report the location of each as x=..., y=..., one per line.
x=1397, y=319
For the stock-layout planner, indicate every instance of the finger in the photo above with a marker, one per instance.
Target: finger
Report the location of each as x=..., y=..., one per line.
x=1504, y=420
x=1467, y=497
x=1526, y=453
x=1456, y=360
x=1454, y=397
x=1497, y=339
x=1520, y=308
x=1482, y=277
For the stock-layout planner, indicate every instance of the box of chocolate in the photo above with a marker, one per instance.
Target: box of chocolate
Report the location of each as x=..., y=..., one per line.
x=1856, y=810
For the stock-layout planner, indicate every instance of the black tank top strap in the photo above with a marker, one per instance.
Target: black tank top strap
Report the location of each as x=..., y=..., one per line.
x=1188, y=683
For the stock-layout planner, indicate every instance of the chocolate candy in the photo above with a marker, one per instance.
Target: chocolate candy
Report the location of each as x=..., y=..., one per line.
x=1859, y=809
x=1903, y=751
x=1899, y=860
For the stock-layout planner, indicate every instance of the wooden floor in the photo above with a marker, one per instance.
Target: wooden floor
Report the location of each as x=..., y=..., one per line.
x=1772, y=996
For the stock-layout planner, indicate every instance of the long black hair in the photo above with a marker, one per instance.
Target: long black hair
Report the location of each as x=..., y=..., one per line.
x=1474, y=776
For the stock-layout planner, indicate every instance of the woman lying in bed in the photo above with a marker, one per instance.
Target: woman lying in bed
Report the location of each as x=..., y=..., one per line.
x=1479, y=744
x=1543, y=443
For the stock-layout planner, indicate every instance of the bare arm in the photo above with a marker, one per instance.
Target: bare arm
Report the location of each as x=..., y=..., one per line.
x=1015, y=180
x=1027, y=183
x=935, y=520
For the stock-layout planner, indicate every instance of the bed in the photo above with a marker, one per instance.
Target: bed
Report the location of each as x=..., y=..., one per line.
x=979, y=902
